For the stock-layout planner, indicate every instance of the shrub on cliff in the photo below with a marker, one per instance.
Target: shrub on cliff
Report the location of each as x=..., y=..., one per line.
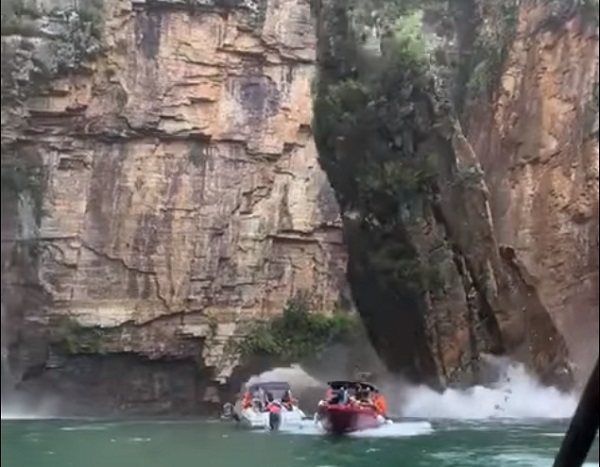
x=80, y=36
x=297, y=334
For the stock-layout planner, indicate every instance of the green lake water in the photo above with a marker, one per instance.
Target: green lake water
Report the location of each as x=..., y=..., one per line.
x=205, y=443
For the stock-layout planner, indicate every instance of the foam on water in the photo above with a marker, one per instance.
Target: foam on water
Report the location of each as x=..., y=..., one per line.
x=526, y=460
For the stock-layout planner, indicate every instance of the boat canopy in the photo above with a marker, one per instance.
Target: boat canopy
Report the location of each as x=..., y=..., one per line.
x=270, y=386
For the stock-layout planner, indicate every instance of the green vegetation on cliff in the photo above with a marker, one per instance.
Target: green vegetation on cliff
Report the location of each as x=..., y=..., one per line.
x=497, y=27
x=367, y=128
x=375, y=132
x=37, y=46
x=19, y=17
x=73, y=35
x=297, y=334
x=19, y=181
x=69, y=337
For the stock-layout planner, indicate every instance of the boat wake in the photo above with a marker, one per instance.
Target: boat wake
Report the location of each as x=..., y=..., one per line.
x=392, y=430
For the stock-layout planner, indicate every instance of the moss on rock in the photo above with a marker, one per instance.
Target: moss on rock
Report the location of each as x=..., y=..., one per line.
x=19, y=181
x=70, y=337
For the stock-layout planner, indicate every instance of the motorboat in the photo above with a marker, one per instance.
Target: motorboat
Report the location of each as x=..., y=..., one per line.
x=266, y=405
x=349, y=409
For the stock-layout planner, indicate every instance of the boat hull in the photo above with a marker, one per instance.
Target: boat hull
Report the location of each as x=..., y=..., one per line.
x=341, y=419
x=251, y=418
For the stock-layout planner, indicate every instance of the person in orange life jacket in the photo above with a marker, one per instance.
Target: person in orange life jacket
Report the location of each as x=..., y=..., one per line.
x=380, y=404
x=247, y=400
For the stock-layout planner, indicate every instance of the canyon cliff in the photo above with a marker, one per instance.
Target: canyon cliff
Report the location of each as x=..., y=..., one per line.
x=537, y=140
x=162, y=191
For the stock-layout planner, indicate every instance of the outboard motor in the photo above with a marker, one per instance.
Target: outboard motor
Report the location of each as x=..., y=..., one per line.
x=229, y=412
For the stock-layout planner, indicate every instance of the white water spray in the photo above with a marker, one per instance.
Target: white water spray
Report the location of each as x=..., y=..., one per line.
x=517, y=395
x=294, y=375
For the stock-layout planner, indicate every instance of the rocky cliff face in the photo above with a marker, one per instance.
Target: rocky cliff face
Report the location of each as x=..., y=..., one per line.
x=164, y=191
x=434, y=286
x=182, y=194
x=537, y=140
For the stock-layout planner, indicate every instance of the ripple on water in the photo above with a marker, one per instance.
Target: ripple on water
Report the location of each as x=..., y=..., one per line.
x=85, y=428
x=139, y=440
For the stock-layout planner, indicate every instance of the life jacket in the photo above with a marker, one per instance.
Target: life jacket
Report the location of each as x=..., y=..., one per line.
x=273, y=407
x=247, y=401
x=380, y=404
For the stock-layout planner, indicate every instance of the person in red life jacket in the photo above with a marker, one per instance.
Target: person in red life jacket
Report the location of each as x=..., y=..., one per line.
x=272, y=405
x=273, y=408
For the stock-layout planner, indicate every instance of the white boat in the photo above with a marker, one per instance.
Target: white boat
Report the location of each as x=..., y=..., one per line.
x=252, y=418
x=257, y=416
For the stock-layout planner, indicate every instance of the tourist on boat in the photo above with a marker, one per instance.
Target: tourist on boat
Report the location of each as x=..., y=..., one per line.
x=363, y=395
x=380, y=404
x=288, y=401
x=335, y=396
x=340, y=397
x=271, y=404
x=247, y=400
x=258, y=399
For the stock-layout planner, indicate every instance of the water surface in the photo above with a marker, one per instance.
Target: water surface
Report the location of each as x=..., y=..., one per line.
x=197, y=443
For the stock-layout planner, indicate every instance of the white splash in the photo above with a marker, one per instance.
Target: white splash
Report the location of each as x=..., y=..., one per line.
x=16, y=414
x=294, y=375
x=517, y=395
x=27, y=409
